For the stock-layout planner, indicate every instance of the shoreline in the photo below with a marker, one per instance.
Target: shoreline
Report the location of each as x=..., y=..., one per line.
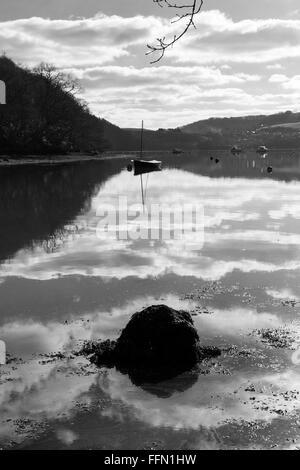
x=60, y=159
x=7, y=161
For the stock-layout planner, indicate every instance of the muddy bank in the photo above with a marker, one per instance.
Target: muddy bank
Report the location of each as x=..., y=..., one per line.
x=7, y=161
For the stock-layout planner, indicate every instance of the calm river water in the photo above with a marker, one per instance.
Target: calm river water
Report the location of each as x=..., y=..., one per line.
x=62, y=282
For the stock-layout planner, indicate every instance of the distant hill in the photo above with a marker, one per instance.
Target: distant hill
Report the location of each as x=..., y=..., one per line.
x=276, y=130
x=119, y=139
x=238, y=124
x=289, y=125
x=166, y=139
x=281, y=130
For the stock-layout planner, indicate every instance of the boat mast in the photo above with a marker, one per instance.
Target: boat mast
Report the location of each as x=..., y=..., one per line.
x=141, y=155
x=142, y=135
x=142, y=188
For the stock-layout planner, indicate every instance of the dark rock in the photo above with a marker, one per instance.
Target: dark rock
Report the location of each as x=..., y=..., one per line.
x=159, y=336
x=158, y=343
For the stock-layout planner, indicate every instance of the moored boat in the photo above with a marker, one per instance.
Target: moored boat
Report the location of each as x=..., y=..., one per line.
x=141, y=166
x=236, y=149
x=262, y=149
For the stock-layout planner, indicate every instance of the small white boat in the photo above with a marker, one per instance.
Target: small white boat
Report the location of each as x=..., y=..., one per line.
x=262, y=149
x=236, y=150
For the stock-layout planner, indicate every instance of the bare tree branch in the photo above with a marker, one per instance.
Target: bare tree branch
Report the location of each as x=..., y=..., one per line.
x=66, y=82
x=188, y=11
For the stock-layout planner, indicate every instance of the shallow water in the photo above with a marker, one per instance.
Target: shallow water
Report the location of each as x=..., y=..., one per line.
x=63, y=281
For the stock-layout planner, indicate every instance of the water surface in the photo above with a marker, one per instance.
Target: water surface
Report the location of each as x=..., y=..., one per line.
x=62, y=282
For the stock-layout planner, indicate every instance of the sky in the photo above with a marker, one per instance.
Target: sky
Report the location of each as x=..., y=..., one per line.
x=242, y=58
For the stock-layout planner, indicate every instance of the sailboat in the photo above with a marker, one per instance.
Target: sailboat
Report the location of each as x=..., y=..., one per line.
x=141, y=166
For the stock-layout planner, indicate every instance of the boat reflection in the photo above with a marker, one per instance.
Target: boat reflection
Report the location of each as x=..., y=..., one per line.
x=142, y=167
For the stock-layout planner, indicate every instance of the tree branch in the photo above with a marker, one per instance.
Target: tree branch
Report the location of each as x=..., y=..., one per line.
x=188, y=12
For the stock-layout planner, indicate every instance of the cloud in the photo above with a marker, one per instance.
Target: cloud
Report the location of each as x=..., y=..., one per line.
x=292, y=83
x=275, y=67
x=219, y=39
x=103, y=38
x=168, y=90
x=209, y=73
x=287, y=83
x=278, y=78
x=124, y=76
x=89, y=41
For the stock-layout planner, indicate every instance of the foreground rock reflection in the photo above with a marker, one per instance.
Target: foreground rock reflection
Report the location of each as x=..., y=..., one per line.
x=157, y=344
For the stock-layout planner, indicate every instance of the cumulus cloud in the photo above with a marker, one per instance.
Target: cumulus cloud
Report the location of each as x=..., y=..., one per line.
x=293, y=83
x=129, y=76
x=90, y=41
x=219, y=39
x=220, y=68
x=278, y=78
x=275, y=67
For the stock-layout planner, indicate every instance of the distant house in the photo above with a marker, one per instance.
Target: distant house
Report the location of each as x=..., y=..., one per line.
x=2, y=92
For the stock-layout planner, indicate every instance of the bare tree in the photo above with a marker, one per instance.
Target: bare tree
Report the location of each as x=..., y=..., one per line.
x=60, y=80
x=184, y=12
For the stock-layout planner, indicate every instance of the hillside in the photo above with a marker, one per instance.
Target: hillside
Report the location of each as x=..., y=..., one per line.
x=288, y=125
x=119, y=139
x=275, y=130
x=43, y=114
x=239, y=124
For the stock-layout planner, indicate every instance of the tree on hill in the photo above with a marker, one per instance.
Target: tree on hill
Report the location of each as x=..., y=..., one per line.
x=43, y=115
